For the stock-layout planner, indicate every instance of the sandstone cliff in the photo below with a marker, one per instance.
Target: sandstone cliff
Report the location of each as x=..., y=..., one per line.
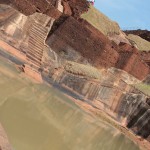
x=77, y=56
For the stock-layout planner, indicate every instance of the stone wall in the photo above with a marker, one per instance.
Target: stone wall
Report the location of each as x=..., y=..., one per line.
x=130, y=61
x=74, y=83
x=75, y=38
x=132, y=64
x=107, y=90
x=114, y=96
x=81, y=42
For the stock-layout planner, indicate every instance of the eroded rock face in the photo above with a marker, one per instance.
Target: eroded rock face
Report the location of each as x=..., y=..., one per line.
x=77, y=7
x=145, y=55
x=50, y=7
x=135, y=108
x=4, y=143
x=80, y=40
x=139, y=121
x=127, y=63
x=113, y=95
x=84, y=43
x=118, y=38
x=29, y=7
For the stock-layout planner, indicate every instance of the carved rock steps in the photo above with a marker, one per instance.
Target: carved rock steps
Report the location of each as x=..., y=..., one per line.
x=37, y=36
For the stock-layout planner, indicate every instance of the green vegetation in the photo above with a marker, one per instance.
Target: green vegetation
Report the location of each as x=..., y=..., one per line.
x=83, y=70
x=100, y=21
x=141, y=43
x=145, y=88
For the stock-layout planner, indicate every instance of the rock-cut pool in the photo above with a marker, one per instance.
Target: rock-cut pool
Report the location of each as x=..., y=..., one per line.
x=38, y=117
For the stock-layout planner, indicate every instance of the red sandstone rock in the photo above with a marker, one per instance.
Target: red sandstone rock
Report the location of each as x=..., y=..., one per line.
x=92, y=45
x=86, y=40
x=67, y=9
x=28, y=7
x=145, y=55
x=124, y=47
x=132, y=63
x=78, y=7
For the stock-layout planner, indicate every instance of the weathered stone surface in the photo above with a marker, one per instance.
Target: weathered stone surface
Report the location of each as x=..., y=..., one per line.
x=132, y=64
x=52, y=8
x=80, y=39
x=119, y=38
x=73, y=46
x=29, y=7
x=145, y=55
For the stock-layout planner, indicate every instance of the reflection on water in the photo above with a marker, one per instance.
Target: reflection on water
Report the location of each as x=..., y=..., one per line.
x=37, y=117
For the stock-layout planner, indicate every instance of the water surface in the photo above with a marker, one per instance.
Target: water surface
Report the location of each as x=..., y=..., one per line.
x=38, y=117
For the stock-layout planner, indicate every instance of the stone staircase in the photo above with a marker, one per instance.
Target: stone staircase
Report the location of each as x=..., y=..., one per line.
x=37, y=36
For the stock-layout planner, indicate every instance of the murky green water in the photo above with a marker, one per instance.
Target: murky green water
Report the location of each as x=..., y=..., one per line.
x=37, y=117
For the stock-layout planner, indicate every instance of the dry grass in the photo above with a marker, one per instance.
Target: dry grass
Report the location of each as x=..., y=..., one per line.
x=100, y=21
x=141, y=43
x=83, y=70
x=145, y=88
